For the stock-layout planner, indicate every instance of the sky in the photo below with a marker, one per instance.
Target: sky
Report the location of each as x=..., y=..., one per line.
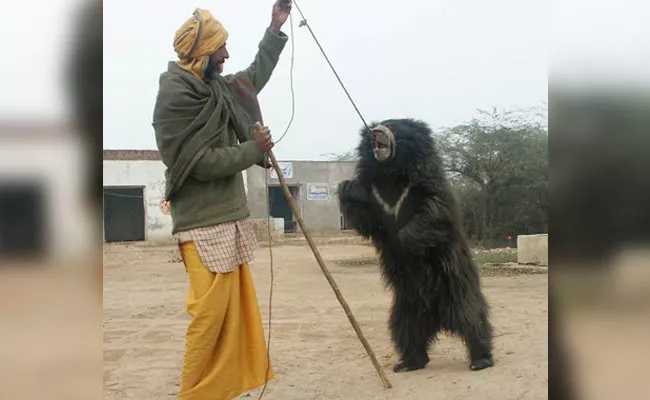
x=35, y=44
x=437, y=61
x=600, y=43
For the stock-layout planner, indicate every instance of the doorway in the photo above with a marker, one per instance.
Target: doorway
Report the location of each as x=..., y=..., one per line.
x=345, y=224
x=124, y=215
x=23, y=227
x=279, y=206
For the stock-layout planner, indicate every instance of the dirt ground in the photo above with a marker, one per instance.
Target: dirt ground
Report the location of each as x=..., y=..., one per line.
x=314, y=350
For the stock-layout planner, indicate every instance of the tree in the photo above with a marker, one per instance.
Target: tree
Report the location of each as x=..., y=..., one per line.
x=347, y=156
x=498, y=164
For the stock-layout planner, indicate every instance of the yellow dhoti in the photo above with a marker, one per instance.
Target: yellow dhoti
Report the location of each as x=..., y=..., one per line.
x=225, y=353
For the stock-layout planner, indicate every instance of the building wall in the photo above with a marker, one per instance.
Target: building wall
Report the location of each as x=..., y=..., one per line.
x=321, y=216
x=151, y=175
x=55, y=160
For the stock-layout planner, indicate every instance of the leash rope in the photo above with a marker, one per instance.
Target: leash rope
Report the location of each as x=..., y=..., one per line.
x=268, y=229
x=268, y=215
x=313, y=35
x=293, y=94
x=302, y=23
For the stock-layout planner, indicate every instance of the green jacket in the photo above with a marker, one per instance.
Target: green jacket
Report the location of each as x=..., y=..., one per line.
x=202, y=131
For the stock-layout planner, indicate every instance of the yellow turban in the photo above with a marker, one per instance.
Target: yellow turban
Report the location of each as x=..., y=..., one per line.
x=198, y=38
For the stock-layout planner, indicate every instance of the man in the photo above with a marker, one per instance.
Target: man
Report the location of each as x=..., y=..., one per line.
x=209, y=129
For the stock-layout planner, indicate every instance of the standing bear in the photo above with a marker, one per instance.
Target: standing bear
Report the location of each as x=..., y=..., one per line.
x=400, y=199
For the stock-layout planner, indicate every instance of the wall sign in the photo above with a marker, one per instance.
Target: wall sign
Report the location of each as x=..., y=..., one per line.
x=287, y=170
x=318, y=191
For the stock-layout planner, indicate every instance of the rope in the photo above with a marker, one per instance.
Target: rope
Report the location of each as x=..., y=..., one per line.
x=268, y=215
x=268, y=231
x=293, y=94
x=303, y=22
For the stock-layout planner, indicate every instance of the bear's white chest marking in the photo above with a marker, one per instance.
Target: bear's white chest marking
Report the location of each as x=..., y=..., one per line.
x=394, y=210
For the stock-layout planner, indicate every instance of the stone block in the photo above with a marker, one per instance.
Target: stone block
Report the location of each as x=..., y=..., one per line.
x=532, y=249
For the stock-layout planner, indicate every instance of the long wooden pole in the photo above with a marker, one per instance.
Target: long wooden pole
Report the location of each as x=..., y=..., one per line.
x=328, y=275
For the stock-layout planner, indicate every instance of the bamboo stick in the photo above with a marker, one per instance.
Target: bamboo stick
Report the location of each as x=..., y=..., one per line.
x=328, y=275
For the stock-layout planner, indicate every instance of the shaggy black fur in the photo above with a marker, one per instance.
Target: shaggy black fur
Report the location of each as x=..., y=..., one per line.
x=424, y=255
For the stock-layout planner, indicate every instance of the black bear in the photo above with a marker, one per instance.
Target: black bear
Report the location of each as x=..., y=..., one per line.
x=400, y=198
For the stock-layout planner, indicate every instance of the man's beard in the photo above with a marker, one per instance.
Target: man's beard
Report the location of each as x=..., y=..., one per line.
x=213, y=70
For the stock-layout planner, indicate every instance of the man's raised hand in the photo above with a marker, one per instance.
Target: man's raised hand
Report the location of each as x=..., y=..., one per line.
x=281, y=11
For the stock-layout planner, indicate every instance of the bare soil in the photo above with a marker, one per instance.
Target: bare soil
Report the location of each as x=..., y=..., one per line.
x=314, y=350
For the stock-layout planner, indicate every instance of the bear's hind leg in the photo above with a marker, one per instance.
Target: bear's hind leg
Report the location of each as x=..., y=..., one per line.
x=478, y=338
x=410, y=334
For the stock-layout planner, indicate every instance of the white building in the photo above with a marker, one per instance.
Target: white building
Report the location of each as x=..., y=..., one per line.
x=43, y=211
x=134, y=186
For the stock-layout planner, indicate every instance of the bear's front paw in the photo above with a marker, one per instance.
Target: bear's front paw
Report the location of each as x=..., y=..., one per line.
x=351, y=190
x=343, y=189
